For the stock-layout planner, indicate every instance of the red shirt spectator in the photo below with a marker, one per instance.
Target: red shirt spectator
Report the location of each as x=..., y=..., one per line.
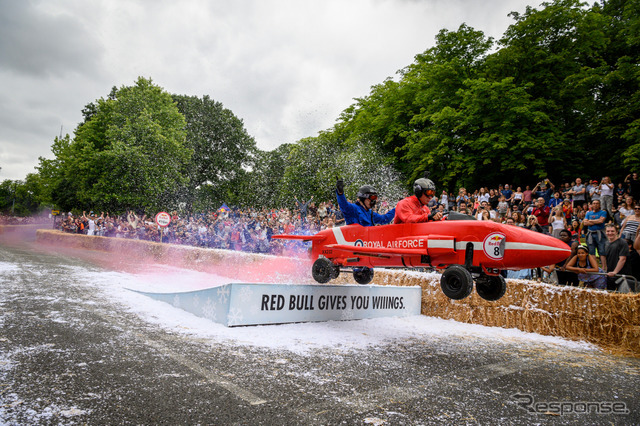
x=541, y=212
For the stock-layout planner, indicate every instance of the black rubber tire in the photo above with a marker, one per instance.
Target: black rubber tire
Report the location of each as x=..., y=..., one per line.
x=335, y=272
x=322, y=270
x=456, y=282
x=363, y=275
x=491, y=288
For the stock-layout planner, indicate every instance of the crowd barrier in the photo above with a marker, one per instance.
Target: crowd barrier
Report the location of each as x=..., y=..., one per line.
x=609, y=320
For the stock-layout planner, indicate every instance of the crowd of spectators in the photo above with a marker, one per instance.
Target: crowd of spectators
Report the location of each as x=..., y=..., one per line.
x=248, y=230
x=543, y=207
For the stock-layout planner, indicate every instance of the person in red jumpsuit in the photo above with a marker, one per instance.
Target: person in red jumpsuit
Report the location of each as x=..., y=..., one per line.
x=414, y=209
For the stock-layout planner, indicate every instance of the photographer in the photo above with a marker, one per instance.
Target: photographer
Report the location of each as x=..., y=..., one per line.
x=532, y=224
x=544, y=190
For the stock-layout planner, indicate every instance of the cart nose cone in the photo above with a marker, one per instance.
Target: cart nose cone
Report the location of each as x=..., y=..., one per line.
x=528, y=249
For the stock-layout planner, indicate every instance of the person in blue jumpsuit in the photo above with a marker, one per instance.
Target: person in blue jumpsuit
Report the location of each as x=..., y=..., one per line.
x=361, y=211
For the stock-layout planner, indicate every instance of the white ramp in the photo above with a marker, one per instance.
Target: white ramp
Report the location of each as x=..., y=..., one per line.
x=255, y=304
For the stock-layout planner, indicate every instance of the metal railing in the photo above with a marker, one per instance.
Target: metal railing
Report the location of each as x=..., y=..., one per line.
x=629, y=280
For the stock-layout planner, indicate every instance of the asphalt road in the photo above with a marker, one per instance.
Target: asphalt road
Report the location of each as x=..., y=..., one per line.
x=68, y=355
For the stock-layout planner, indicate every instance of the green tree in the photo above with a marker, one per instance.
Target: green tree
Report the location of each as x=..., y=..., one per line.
x=21, y=197
x=497, y=133
x=223, y=151
x=58, y=186
x=129, y=153
x=266, y=178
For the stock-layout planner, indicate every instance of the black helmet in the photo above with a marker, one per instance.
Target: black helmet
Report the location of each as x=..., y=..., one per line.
x=368, y=191
x=424, y=186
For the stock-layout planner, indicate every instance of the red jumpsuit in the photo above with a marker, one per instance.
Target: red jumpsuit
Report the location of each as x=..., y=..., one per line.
x=411, y=210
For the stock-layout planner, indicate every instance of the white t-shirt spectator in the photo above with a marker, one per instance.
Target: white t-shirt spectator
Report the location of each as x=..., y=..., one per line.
x=606, y=189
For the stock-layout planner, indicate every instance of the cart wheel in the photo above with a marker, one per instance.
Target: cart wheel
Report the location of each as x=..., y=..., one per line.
x=456, y=282
x=335, y=272
x=322, y=270
x=363, y=275
x=491, y=288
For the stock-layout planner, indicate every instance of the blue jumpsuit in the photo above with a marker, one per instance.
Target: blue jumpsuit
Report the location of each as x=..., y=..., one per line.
x=355, y=213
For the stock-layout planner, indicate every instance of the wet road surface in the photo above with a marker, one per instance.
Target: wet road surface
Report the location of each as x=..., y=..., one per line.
x=70, y=355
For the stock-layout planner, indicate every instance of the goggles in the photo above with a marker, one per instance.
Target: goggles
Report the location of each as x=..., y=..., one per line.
x=372, y=197
x=430, y=193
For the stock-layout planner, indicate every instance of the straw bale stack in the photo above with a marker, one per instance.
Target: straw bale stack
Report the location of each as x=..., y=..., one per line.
x=609, y=320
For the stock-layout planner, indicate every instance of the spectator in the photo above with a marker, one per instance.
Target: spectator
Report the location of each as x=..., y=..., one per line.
x=586, y=266
x=462, y=197
x=594, y=220
x=503, y=208
x=558, y=222
x=567, y=277
x=633, y=261
x=508, y=194
x=532, y=224
x=578, y=191
x=444, y=200
x=626, y=207
x=630, y=224
x=566, y=191
x=620, y=191
x=91, y=222
x=527, y=197
x=576, y=230
x=494, y=199
x=483, y=195
x=555, y=200
x=541, y=213
x=633, y=185
x=606, y=195
x=617, y=251
x=567, y=209
x=544, y=189
x=303, y=208
x=518, y=218
x=518, y=197
x=594, y=191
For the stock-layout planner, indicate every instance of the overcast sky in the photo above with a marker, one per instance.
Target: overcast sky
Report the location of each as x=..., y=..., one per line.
x=287, y=68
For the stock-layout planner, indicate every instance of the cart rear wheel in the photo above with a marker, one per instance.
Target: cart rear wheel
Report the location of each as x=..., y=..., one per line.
x=491, y=288
x=363, y=275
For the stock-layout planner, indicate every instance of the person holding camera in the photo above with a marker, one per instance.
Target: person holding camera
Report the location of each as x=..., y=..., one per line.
x=532, y=224
x=544, y=190
x=541, y=212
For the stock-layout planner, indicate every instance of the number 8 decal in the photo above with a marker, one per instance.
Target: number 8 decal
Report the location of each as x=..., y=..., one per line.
x=493, y=245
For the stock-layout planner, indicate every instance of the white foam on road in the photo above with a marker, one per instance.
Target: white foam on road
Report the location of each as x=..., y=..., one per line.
x=301, y=338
